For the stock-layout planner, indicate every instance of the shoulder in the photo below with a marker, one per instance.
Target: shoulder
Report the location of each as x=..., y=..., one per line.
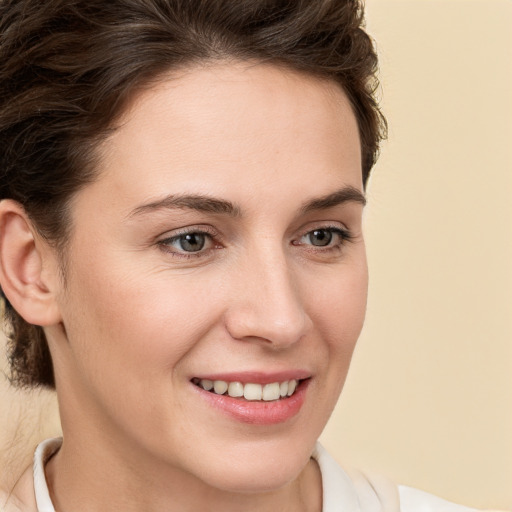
x=21, y=498
x=361, y=492
x=9, y=503
x=31, y=488
x=412, y=500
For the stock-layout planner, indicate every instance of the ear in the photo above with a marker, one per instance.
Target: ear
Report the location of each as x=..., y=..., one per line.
x=28, y=268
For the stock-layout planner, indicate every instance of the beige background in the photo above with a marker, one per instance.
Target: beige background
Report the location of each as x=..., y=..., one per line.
x=429, y=399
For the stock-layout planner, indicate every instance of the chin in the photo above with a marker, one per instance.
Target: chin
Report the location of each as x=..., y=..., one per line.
x=258, y=478
x=264, y=467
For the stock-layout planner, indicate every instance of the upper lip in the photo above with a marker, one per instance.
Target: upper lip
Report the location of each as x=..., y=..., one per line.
x=256, y=377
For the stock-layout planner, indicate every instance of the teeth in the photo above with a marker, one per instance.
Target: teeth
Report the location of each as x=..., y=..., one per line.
x=250, y=391
x=207, y=384
x=220, y=387
x=291, y=387
x=235, y=389
x=271, y=392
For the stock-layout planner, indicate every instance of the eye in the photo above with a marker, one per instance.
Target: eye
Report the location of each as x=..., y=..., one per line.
x=188, y=243
x=319, y=237
x=191, y=242
x=325, y=237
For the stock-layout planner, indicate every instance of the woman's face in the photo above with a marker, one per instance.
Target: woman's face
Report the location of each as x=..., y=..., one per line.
x=221, y=242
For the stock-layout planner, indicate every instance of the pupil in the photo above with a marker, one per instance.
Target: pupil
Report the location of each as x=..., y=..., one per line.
x=192, y=242
x=321, y=237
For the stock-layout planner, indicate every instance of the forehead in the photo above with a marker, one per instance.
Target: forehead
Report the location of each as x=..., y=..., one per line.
x=226, y=123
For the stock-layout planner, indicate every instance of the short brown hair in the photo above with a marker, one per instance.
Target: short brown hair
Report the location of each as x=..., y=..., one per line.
x=67, y=68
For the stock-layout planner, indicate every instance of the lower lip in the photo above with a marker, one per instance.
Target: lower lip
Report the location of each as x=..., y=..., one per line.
x=258, y=412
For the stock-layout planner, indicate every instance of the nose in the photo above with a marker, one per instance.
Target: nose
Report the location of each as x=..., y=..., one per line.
x=267, y=304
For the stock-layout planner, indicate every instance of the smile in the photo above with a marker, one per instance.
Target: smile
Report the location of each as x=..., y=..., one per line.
x=250, y=391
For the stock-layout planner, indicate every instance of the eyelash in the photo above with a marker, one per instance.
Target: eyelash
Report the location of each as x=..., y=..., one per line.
x=344, y=235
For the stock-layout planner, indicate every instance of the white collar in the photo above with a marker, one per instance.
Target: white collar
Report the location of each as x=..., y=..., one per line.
x=43, y=453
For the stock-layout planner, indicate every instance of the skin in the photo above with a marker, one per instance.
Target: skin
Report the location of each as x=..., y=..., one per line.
x=138, y=317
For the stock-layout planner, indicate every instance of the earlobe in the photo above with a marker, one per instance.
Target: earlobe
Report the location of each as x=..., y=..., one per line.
x=30, y=291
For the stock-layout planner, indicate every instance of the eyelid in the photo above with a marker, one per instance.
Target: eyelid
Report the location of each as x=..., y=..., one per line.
x=199, y=228
x=328, y=226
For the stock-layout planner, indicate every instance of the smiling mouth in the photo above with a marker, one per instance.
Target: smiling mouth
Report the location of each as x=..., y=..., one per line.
x=250, y=391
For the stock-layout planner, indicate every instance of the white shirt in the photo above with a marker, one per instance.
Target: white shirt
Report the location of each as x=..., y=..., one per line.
x=341, y=492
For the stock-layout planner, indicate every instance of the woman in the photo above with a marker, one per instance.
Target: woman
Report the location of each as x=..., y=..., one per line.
x=181, y=248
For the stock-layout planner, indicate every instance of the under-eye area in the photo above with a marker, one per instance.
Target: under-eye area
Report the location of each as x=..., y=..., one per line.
x=250, y=391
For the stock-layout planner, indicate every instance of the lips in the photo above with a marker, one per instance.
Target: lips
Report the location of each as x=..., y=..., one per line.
x=256, y=398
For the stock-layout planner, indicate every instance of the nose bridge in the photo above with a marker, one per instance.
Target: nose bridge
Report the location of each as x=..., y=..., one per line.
x=268, y=305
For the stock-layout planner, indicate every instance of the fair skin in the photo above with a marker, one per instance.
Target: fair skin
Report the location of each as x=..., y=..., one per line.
x=261, y=168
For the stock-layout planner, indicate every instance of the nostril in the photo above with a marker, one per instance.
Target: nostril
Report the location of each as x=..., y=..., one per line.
x=264, y=325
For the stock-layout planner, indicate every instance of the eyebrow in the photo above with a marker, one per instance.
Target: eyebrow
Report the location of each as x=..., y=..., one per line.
x=344, y=195
x=200, y=203
x=209, y=204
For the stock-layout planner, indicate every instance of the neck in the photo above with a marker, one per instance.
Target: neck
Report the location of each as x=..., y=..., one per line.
x=85, y=480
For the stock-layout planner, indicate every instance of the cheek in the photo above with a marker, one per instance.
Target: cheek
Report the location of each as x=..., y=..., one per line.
x=338, y=308
x=128, y=322
x=130, y=335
